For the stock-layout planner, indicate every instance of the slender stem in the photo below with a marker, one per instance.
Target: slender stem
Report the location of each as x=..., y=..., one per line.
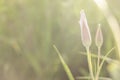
x=90, y=63
x=101, y=64
x=98, y=63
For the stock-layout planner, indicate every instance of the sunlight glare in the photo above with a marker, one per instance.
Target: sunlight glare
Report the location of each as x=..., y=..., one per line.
x=101, y=3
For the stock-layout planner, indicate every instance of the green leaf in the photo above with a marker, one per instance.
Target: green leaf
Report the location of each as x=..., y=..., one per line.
x=65, y=66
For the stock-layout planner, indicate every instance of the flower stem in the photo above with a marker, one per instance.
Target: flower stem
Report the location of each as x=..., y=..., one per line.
x=90, y=63
x=98, y=63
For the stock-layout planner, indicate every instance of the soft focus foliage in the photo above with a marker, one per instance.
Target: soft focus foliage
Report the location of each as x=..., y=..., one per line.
x=29, y=28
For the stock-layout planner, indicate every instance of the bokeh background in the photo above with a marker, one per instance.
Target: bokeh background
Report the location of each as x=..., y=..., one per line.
x=30, y=28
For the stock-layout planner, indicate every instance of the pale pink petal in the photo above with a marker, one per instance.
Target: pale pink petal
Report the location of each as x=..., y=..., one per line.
x=85, y=32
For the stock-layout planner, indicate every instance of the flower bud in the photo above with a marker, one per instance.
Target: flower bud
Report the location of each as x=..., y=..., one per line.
x=85, y=32
x=99, y=37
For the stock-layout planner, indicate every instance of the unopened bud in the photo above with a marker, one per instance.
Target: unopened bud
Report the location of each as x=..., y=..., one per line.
x=99, y=37
x=85, y=32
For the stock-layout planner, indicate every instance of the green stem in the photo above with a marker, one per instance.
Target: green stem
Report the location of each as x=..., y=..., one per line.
x=90, y=63
x=101, y=64
x=98, y=63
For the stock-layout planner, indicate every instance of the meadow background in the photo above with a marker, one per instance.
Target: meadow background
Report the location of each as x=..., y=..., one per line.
x=30, y=28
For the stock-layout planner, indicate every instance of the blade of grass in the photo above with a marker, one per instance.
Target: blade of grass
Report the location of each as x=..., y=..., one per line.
x=109, y=60
x=65, y=66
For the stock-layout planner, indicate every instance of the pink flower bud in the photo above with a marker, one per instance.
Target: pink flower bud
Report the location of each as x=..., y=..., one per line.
x=85, y=32
x=99, y=37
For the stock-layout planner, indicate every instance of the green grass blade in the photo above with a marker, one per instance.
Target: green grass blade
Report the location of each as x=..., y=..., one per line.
x=65, y=66
x=109, y=60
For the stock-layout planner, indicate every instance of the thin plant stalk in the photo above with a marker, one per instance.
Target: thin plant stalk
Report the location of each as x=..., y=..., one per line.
x=90, y=63
x=98, y=63
x=101, y=64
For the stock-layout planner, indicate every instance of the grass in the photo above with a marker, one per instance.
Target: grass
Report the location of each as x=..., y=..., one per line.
x=65, y=66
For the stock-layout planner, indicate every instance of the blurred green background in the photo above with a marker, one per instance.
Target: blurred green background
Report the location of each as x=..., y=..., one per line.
x=30, y=28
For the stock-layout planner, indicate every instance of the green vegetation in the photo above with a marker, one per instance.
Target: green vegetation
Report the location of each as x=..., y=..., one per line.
x=30, y=28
